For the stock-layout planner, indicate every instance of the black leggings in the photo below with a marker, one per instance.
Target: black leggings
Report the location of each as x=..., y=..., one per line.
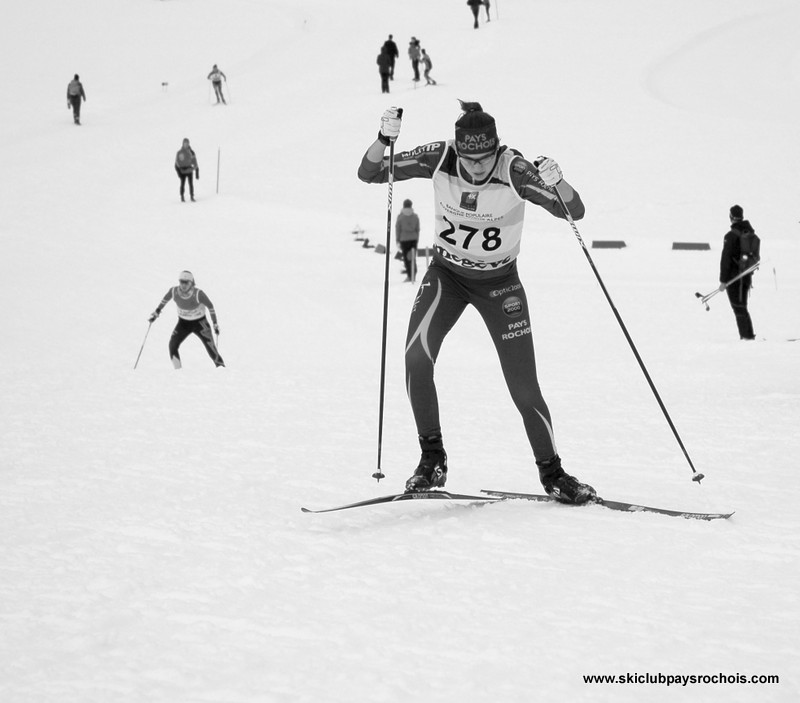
x=738, y=293
x=202, y=330
x=184, y=177
x=501, y=302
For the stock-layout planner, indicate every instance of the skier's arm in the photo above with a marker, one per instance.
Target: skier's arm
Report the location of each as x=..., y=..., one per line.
x=205, y=300
x=528, y=182
x=161, y=305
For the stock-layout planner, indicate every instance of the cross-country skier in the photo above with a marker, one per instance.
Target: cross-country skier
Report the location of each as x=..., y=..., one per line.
x=192, y=304
x=216, y=77
x=480, y=190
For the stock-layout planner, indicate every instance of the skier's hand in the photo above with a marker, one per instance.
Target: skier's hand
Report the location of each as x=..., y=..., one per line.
x=197, y=174
x=549, y=170
x=216, y=329
x=390, y=124
x=154, y=316
x=722, y=287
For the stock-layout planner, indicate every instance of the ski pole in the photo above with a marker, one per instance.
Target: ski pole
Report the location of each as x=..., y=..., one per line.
x=378, y=475
x=142, y=347
x=697, y=477
x=705, y=298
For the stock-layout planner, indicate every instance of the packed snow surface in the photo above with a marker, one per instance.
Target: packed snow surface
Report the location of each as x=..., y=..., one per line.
x=152, y=546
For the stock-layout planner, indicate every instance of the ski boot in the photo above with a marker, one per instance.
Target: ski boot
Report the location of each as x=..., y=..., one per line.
x=560, y=485
x=432, y=469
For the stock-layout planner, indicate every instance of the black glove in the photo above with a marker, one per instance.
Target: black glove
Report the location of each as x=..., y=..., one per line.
x=197, y=174
x=216, y=329
x=154, y=316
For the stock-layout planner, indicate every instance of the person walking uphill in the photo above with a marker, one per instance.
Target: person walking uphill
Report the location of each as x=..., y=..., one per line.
x=192, y=304
x=407, y=235
x=75, y=94
x=390, y=47
x=475, y=6
x=414, y=54
x=216, y=77
x=186, y=166
x=741, y=249
x=480, y=190
x=384, y=68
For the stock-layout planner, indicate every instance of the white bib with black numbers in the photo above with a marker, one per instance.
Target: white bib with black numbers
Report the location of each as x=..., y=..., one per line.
x=478, y=227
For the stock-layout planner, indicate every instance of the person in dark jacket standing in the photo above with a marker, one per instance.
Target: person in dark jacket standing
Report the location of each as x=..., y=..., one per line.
x=391, y=48
x=475, y=6
x=407, y=235
x=480, y=190
x=185, y=167
x=192, y=304
x=414, y=53
x=384, y=68
x=75, y=94
x=741, y=249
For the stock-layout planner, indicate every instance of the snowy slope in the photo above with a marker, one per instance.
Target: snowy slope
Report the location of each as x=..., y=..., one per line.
x=152, y=546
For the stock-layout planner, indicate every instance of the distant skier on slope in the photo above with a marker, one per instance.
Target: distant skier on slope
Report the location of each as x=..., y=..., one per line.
x=480, y=192
x=216, y=77
x=192, y=304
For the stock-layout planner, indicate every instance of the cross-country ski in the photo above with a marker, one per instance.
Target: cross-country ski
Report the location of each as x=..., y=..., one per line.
x=611, y=505
x=405, y=497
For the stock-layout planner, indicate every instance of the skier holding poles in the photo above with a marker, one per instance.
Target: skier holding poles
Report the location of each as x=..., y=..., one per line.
x=192, y=304
x=741, y=250
x=480, y=192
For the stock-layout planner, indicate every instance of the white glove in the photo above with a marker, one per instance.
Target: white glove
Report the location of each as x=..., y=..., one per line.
x=549, y=170
x=390, y=123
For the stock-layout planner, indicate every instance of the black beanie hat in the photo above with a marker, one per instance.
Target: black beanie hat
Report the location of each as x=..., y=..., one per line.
x=736, y=212
x=476, y=132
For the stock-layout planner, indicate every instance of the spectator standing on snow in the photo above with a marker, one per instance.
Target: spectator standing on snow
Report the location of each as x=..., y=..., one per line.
x=391, y=48
x=741, y=249
x=75, y=94
x=480, y=190
x=186, y=166
x=192, y=304
x=384, y=68
x=475, y=6
x=216, y=77
x=414, y=54
x=428, y=64
x=407, y=235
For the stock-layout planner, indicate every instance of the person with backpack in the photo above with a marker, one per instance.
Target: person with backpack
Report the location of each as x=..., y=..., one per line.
x=185, y=167
x=481, y=189
x=75, y=94
x=414, y=55
x=407, y=235
x=192, y=304
x=741, y=249
x=216, y=77
x=391, y=49
x=426, y=61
